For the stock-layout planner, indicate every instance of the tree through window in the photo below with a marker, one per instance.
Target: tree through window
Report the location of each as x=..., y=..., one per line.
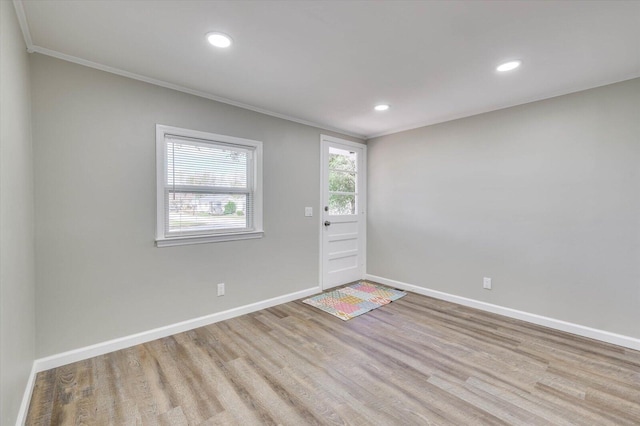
x=343, y=180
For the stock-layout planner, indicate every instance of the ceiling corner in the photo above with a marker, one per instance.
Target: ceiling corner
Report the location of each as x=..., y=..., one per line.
x=24, y=25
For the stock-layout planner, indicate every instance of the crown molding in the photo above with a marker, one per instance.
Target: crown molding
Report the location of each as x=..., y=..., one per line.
x=179, y=88
x=24, y=25
x=31, y=48
x=492, y=108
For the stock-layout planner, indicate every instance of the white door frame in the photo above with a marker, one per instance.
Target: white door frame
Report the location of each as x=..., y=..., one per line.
x=362, y=202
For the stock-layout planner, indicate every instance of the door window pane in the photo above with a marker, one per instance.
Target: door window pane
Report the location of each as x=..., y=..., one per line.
x=340, y=159
x=342, y=181
x=342, y=204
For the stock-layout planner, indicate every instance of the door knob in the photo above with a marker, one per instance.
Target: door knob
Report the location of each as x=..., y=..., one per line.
x=327, y=223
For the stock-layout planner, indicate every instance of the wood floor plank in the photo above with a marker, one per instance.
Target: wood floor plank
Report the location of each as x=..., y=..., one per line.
x=173, y=417
x=182, y=383
x=137, y=385
x=416, y=361
x=42, y=399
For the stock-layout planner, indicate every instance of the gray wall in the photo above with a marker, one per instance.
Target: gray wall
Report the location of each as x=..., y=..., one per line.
x=544, y=198
x=98, y=273
x=17, y=283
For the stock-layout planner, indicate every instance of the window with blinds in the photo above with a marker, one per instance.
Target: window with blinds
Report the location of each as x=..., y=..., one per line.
x=209, y=187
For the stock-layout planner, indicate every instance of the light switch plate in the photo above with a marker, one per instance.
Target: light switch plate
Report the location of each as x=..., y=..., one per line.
x=308, y=211
x=486, y=283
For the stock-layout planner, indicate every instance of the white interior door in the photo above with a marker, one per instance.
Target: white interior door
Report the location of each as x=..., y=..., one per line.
x=344, y=188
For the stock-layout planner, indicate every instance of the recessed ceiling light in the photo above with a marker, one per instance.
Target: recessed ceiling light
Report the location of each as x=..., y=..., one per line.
x=508, y=66
x=219, y=39
x=381, y=107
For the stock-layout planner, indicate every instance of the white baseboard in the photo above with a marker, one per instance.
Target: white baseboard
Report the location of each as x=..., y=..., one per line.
x=26, y=398
x=80, y=354
x=580, y=330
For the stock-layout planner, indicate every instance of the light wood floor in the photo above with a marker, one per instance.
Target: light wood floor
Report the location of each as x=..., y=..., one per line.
x=415, y=361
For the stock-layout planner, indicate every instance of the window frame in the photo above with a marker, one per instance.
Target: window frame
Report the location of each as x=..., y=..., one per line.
x=254, y=180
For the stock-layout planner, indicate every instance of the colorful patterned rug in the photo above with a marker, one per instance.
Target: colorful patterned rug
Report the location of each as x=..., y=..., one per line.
x=354, y=300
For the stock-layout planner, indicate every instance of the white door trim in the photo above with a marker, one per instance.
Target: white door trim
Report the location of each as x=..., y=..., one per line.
x=362, y=190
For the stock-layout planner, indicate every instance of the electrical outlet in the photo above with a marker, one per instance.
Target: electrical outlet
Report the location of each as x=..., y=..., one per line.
x=486, y=283
x=308, y=211
x=221, y=289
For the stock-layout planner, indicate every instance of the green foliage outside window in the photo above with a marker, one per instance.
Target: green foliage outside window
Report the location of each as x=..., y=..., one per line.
x=230, y=208
x=342, y=178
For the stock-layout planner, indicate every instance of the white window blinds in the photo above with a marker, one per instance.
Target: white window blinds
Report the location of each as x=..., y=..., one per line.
x=209, y=186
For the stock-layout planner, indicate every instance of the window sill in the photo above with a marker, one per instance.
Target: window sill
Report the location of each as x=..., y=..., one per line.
x=182, y=241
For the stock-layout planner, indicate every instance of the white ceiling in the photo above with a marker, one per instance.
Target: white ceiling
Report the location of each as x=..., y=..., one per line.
x=330, y=62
